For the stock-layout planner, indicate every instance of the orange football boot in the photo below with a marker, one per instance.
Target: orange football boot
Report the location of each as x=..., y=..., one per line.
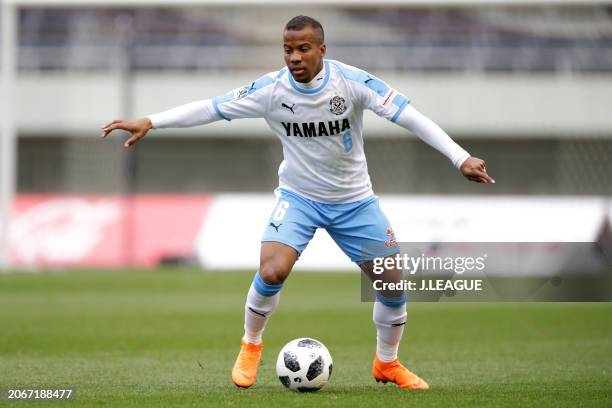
x=244, y=372
x=395, y=372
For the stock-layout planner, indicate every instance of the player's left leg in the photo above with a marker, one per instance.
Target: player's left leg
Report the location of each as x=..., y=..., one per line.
x=389, y=316
x=363, y=232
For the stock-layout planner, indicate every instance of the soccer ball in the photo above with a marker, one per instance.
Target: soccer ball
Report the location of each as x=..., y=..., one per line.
x=304, y=365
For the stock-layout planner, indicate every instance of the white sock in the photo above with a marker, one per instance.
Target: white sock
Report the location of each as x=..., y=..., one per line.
x=390, y=323
x=257, y=311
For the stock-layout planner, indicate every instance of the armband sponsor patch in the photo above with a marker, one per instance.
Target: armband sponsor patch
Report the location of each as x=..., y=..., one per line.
x=241, y=93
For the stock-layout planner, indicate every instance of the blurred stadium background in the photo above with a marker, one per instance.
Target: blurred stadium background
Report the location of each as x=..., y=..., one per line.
x=526, y=85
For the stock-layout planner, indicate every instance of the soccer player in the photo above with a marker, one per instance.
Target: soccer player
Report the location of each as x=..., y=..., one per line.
x=315, y=107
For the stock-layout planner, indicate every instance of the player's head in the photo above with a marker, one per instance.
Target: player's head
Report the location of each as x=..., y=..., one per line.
x=304, y=45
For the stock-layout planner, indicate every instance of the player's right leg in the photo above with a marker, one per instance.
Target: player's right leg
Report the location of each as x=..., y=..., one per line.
x=289, y=230
x=276, y=261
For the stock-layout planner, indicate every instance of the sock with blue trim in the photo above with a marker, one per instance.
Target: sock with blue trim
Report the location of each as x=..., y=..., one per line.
x=261, y=301
x=390, y=323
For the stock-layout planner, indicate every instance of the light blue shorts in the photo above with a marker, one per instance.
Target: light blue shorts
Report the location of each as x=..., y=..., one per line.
x=360, y=228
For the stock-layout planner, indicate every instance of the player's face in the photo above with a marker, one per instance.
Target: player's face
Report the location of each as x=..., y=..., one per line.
x=304, y=53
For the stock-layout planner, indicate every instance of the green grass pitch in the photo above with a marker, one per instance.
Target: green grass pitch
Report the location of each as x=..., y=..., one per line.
x=169, y=338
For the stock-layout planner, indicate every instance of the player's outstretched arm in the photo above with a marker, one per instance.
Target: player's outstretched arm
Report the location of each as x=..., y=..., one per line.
x=188, y=115
x=249, y=101
x=472, y=168
x=138, y=128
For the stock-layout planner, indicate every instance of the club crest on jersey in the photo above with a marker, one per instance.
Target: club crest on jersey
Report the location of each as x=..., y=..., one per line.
x=337, y=105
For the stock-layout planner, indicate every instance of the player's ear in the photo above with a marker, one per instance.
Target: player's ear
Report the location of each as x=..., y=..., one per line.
x=323, y=49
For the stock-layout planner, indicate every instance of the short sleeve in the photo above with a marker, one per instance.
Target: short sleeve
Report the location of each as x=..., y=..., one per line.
x=249, y=101
x=374, y=94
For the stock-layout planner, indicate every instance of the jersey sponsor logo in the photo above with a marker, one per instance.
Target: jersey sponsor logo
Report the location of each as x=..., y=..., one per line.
x=284, y=105
x=314, y=129
x=337, y=105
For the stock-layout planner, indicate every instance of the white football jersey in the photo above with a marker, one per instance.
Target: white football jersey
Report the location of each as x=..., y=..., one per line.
x=320, y=126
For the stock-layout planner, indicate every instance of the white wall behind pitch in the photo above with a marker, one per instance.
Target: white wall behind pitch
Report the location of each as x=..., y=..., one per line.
x=229, y=236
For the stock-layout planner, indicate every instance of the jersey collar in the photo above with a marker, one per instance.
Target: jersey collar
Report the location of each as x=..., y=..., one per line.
x=312, y=90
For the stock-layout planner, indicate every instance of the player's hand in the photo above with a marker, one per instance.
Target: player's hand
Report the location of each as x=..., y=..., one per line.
x=475, y=169
x=138, y=129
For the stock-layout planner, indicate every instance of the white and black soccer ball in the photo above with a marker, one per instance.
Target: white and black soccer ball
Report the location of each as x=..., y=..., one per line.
x=304, y=365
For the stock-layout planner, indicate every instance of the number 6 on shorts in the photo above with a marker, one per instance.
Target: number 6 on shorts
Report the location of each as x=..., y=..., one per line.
x=281, y=209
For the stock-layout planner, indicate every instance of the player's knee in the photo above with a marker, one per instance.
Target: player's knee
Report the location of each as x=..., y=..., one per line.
x=272, y=273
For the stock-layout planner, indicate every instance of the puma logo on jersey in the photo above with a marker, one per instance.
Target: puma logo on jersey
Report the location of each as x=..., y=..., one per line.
x=313, y=129
x=284, y=105
x=276, y=227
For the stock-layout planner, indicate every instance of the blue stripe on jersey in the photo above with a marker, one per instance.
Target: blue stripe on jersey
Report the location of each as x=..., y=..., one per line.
x=281, y=73
x=401, y=102
x=377, y=85
x=260, y=84
x=220, y=99
x=251, y=89
x=314, y=90
x=364, y=78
